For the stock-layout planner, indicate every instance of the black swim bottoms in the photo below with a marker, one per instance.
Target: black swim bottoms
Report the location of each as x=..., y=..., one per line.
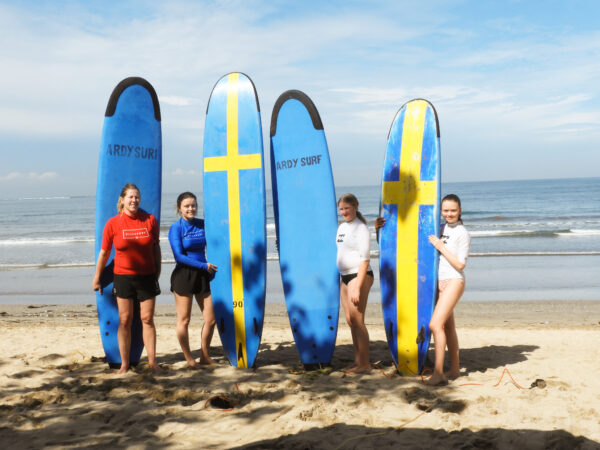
x=186, y=280
x=351, y=276
x=136, y=287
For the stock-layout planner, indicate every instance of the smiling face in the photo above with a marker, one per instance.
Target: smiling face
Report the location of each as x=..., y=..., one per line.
x=450, y=211
x=347, y=211
x=188, y=208
x=131, y=202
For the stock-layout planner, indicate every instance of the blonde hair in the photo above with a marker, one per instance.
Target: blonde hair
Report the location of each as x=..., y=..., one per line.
x=351, y=199
x=127, y=187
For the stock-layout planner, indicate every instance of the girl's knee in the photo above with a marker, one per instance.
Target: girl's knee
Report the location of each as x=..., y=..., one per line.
x=435, y=327
x=125, y=319
x=147, y=319
x=183, y=321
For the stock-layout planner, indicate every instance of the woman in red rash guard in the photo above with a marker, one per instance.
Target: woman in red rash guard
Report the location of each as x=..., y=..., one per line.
x=135, y=236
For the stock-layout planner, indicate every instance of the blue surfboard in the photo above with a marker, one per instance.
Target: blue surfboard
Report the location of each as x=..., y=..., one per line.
x=306, y=223
x=410, y=202
x=235, y=215
x=130, y=152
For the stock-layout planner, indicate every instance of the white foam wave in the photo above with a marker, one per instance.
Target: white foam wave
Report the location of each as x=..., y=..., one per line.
x=47, y=241
x=577, y=233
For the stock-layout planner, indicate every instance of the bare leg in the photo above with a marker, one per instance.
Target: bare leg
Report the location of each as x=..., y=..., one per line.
x=208, y=314
x=125, y=306
x=443, y=310
x=360, y=333
x=347, y=306
x=452, y=344
x=149, y=332
x=183, y=306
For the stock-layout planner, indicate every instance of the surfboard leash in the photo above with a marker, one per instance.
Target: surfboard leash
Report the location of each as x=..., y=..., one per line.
x=505, y=371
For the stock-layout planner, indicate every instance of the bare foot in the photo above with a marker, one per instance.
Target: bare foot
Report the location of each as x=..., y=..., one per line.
x=206, y=361
x=123, y=369
x=360, y=369
x=452, y=375
x=436, y=380
x=193, y=364
x=156, y=368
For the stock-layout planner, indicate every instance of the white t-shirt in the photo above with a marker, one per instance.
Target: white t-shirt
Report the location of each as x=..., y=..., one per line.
x=353, y=246
x=458, y=242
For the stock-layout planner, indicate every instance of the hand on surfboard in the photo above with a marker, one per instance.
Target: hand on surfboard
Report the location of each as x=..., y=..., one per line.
x=379, y=222
x=436, y=242
x=211, y=268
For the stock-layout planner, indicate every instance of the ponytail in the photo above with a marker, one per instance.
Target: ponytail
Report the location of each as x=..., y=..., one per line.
x=360, y=217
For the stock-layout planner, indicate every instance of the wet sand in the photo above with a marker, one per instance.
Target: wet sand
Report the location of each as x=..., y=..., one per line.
x=58, y=393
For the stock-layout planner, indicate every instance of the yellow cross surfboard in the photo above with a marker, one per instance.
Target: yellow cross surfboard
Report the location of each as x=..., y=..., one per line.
x=234, y=212
x=410, y=203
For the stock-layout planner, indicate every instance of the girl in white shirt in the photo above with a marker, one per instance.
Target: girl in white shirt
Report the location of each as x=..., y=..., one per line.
x=353, y=255
x=454, y=247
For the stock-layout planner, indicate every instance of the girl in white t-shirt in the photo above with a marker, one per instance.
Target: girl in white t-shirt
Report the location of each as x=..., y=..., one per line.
x=353, y=255
x=454, y=247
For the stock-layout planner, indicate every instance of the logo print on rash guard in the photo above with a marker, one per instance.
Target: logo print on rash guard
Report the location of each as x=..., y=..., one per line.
x=136, y=233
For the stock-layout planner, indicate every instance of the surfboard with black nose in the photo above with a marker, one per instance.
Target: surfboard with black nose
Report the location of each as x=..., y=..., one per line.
x=130, y=152
x=235, y=215
x=410, y=204
x=306, y=223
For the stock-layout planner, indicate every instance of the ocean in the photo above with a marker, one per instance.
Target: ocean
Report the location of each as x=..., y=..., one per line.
x=531, y=240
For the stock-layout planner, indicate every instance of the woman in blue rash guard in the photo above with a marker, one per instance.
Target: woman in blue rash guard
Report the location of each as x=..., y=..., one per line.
x=191, y=276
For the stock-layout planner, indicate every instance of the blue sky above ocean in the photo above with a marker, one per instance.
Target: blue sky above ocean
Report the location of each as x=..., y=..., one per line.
x=516, y=84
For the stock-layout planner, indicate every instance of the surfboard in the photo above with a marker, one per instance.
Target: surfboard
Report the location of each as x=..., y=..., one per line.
x=410, y=203
x=235, y=215
x=306, y=223
x=130, y=152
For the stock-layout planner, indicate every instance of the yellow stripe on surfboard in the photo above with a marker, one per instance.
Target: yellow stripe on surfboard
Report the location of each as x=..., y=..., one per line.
x=408, y=194
x=233, y=163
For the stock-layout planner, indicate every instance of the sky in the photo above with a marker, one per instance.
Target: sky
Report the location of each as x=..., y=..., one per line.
x=516, y=84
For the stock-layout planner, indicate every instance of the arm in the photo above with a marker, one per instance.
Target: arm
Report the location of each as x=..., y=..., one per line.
x=379, y=223
x=157, y=258
x=100, y=264
x=365, y=254
x=354, y=293
x=179, y=252
x=450, y=257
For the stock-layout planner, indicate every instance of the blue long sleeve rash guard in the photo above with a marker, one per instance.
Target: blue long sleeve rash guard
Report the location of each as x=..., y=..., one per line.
x=188, y=243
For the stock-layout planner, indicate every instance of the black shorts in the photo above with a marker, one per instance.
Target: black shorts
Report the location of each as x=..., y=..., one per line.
x=351, y=276
x=136, y=287
x=186, y=280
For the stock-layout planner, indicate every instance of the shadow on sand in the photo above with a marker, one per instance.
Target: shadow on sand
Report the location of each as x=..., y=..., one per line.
x=359, y=437
x=83, y=403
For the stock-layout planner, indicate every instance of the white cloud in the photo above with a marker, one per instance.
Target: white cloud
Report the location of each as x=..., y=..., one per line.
x=183, y=172
x=174, y=101
x=29, y=176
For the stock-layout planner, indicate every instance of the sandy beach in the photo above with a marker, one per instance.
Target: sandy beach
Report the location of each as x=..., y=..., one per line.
x=58, y=393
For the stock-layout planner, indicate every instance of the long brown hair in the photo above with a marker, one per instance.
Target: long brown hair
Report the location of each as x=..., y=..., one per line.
x=127, y=187
x=351, y=199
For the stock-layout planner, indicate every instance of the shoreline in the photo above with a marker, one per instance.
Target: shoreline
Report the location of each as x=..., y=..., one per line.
x=513, y=314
